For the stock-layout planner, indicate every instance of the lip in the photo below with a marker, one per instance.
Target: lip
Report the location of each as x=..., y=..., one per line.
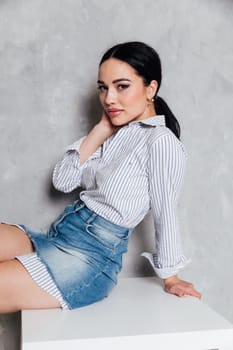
x=114, y=112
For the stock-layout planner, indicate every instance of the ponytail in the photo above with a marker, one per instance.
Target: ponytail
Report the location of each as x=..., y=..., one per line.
x=172, y=123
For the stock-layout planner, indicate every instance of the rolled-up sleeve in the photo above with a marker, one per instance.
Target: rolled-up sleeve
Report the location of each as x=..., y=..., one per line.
x=68, y=171
x=165, y=171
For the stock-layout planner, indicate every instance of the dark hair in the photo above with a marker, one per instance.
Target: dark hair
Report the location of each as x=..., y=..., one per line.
x=146, y=62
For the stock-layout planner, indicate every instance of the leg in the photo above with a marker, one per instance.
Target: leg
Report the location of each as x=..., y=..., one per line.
x=13, y=241
x=18, y=291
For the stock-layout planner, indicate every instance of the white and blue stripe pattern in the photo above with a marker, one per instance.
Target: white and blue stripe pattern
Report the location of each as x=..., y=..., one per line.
x=138, y=168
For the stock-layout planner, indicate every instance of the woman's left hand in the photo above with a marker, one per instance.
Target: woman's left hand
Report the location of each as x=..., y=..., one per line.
x=174, y=285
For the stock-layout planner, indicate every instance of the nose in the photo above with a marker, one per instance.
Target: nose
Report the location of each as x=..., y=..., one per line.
x=110, y=97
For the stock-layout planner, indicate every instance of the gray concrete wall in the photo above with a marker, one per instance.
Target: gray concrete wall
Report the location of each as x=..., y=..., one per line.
x=49, y=53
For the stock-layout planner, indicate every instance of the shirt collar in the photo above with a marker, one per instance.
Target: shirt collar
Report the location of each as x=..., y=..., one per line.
x=157, y=120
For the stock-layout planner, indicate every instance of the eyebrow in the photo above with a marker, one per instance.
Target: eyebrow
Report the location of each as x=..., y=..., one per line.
x=115, y=81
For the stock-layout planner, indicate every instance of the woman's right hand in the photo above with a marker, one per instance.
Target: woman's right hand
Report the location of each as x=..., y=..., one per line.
x=96, y=137
x=105, y=126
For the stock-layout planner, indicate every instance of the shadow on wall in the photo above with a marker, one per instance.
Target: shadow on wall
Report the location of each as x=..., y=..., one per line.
x=92, y=110
x=141, y=240
x=10, y=325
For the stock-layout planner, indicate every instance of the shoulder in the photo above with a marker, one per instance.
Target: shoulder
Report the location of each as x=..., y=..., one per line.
x=163, y=135
x=163, y=140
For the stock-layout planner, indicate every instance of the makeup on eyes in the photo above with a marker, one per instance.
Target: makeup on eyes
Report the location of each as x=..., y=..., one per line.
x=102, y=86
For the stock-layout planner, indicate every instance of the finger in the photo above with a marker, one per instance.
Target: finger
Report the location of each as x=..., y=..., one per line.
x=176, y=291
x=180, y=294
x=192, y=292
x=187, y=284
x=195, y=293
x=186, y=287
x=181, y=290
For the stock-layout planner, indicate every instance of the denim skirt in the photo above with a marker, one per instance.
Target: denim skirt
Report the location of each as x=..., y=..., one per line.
x=82, y=252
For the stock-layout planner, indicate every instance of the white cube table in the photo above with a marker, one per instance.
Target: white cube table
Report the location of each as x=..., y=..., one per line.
x=138, y=314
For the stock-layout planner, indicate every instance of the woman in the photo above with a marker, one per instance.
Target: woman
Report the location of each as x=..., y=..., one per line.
x=131, y=162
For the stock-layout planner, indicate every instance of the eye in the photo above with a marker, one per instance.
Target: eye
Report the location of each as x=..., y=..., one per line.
x=123, y=86
x=102, y=88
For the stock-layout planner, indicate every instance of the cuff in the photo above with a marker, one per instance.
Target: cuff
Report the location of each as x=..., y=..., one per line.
x=76, y=147
x=166, y=272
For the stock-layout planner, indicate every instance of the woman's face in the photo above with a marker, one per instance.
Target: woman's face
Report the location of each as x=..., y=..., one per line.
x=123, y=94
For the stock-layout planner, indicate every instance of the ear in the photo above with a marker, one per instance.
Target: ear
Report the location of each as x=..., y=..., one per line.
x=151, y=89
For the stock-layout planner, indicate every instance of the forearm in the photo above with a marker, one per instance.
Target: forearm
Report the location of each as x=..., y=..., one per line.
x=90, y=144
x=95, y=139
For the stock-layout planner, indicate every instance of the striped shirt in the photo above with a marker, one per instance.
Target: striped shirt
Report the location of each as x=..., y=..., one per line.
x=137, y=169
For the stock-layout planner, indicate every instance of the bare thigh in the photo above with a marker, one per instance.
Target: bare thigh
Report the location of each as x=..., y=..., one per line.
x=13, y=242
x=18, y=291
